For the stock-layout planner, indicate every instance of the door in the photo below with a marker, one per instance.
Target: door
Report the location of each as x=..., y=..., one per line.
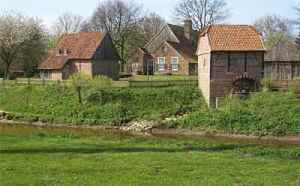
x=149, y=67
x=193, y=69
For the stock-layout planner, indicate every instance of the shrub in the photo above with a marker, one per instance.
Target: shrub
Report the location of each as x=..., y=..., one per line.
x=267, y=84
x=264, y=113
x=107, y=106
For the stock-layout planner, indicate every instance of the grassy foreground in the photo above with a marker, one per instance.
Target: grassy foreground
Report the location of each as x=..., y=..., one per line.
x=43, y=157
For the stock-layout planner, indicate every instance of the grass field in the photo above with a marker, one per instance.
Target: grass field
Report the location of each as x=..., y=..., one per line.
x=45, y=157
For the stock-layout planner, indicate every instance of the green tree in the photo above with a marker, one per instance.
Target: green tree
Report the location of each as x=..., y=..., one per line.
x=78, y=82
x=22, y=42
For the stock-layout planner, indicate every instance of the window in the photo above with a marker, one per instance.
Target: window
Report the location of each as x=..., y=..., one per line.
x=60, y=51
x=46, y=75
x=161, y=64
x=175, y=64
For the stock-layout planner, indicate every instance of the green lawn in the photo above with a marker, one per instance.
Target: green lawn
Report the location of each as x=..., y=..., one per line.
x=42, y=157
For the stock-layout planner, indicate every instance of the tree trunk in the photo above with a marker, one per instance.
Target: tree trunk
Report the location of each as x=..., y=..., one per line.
x=6, y=71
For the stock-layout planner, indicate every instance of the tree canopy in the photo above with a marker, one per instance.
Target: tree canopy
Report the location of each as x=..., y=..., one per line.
x=22, y=42
x=274, y=29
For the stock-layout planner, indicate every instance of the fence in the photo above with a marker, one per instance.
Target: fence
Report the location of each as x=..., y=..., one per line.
x=285, y=84
x=171, y=83
x=29, y=81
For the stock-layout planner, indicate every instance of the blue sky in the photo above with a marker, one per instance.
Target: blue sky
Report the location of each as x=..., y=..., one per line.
x=243, y=11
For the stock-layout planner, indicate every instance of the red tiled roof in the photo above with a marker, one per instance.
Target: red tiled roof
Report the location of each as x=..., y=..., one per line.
x=234, y=38
x=79, y=46
x=54, y=62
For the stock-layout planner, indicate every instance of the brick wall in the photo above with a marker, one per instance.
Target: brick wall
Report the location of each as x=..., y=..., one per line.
x=168, y=52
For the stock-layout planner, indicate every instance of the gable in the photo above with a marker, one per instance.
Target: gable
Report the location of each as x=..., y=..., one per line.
x=80, y=45
x=203, y=45
x=164, y=35
x=166, y=50
x=106, y=50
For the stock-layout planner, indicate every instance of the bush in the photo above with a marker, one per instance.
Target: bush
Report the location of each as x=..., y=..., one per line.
x=262, y=114
x=99, y=106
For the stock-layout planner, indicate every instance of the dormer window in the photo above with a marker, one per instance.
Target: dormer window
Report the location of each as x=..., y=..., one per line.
x=64, y=52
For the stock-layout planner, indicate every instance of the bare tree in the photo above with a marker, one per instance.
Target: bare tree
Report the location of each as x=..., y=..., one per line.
x=297, y=10
x=151, y=25
x=202, y=12
x=297, y=23
x=120, y=19
x=68, y=23
x=22, y=40
x=273, y=29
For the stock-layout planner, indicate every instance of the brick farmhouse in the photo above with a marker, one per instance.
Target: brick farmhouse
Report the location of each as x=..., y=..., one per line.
x=171, y=51
x=230, y=60
x=90, y=53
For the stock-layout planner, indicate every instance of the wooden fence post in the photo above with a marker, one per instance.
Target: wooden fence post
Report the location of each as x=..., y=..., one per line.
x=28, y=81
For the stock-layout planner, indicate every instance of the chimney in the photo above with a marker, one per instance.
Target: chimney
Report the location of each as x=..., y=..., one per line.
x=188, y=29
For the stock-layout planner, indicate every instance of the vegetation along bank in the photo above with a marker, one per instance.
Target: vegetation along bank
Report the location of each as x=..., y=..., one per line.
x=262, y=114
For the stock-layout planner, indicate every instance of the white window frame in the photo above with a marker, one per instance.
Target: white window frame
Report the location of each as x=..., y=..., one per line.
x=173, y=64
x=160, y=64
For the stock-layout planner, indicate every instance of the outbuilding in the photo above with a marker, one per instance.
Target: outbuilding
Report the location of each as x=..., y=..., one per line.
x=91, y=53
x=230, y=60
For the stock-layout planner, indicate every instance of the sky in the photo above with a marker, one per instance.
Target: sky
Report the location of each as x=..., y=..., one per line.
x=242, y=11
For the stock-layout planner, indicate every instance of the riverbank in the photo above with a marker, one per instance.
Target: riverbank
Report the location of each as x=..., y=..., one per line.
x=180, y=108
x=156, y=130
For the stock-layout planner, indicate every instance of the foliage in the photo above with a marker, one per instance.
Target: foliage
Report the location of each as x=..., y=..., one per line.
x=100, y=106
x=274, y=29
x=267, y=83
x=122, y=160
x=23, y=42
x=100, y=82
x=264, y=113
x=79, y=81
x=121, y=20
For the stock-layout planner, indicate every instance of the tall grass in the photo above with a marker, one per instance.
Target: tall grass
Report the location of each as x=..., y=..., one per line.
x=113, y=106
x=264, y=113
